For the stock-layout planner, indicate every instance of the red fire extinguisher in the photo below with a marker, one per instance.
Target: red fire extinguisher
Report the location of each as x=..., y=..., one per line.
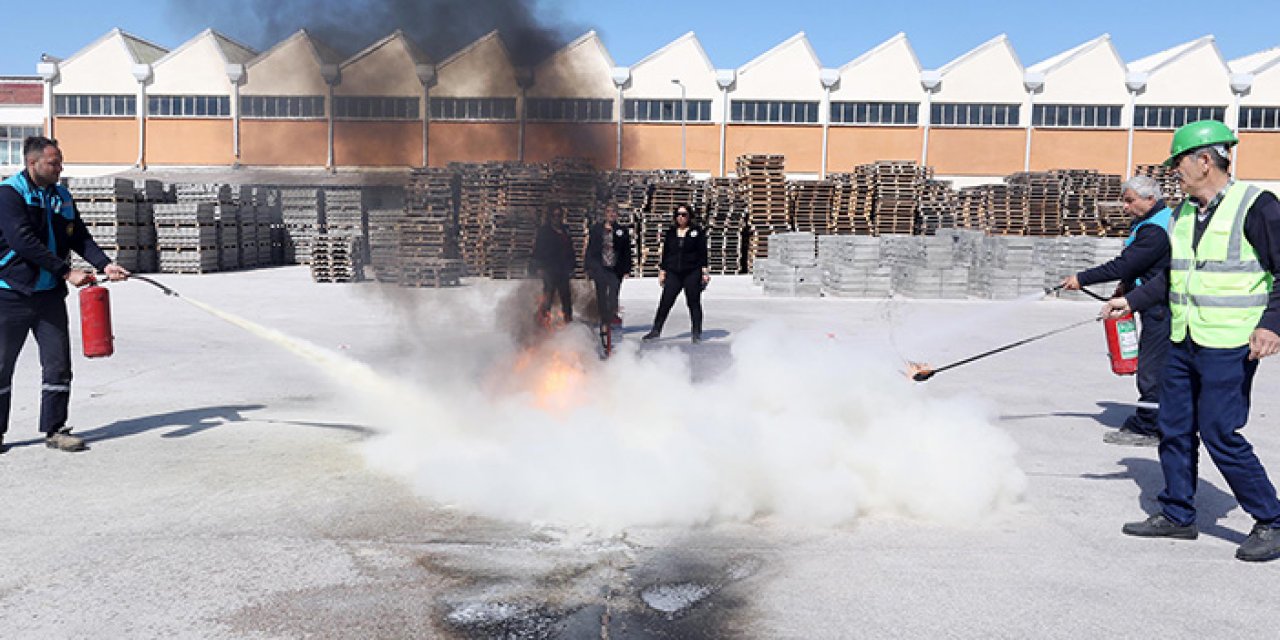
x=1122, y=344
x=95, y=322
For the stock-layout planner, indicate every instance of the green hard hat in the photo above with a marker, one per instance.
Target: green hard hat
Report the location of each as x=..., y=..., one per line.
x=1201, y=133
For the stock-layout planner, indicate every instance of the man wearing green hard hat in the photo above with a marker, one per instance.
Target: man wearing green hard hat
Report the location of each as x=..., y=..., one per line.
x=1225, y=317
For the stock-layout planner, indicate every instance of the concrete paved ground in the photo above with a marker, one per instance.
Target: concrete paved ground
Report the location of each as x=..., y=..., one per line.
x=226, y=494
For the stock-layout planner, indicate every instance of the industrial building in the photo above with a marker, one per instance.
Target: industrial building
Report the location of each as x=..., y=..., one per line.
x=213, y=102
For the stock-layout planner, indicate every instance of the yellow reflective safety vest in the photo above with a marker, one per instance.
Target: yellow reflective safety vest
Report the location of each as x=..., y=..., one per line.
x=1217, y=291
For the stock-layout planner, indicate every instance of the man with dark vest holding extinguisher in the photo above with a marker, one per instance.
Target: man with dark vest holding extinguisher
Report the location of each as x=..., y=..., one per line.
x=1224, y=318
x=1145, y=255
x=39, y=227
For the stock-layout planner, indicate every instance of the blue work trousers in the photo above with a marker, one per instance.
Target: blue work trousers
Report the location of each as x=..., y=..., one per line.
x=43, y=314
x=1204, y=396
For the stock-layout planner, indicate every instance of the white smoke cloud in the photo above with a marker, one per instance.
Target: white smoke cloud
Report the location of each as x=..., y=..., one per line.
x=799, y=428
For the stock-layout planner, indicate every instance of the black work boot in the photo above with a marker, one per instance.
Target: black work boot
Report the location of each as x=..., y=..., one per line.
x=64, y=441
x=1263, y=544
x=3, y=448
x=654, y=333
x=1158, y=526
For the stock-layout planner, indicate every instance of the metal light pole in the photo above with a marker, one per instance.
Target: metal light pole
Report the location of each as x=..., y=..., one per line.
x=684, y=149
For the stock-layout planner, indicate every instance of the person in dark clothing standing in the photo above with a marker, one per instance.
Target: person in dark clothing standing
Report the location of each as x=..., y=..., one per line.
x=608, y=261
x=1224, y=310
x=683, y=268
x=1145, y=256
x=39, y=227
x=553, y=256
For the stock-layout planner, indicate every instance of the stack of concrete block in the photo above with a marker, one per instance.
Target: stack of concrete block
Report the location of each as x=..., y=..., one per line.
x=792, y=266
x=935, y=271
x=150, y=193
x=851, y=267
x=187, y=237
x=302, y=212
x=108, y=207
x=270, y=230
x=1067, y=256
x=1008, y=267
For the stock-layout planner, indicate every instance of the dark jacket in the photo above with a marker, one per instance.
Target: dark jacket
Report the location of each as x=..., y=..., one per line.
x=1146, y=257
x=682, y=255
x=25, y=232
x=1262, y=230
x=553, y=250
x=621, y=239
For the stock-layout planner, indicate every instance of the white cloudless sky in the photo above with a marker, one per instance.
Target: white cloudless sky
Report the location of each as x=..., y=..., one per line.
x=735, y=32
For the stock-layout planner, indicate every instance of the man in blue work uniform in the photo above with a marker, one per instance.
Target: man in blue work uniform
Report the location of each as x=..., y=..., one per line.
x=1145, y=256
x=1224, y=318
x=39, y=226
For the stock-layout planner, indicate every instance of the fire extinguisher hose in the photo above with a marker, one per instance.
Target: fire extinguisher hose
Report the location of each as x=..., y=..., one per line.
x=925, y=374
x=167, y=291
x=1082, y=290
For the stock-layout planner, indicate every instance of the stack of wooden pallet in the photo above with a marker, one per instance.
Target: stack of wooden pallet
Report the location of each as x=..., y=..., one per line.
x=810, y=204
x=937, y=207
x=522, y=203
x=669, y=190
x=1006, y=213
x=763, y=181
x=726, y=219
x=896, y=185
x=629, y=191
x=971, y=208
x=1080, y=189
x=426, y=234
x=1043, y=191
x=479, y=191
x=573, y=189
x=337, y=257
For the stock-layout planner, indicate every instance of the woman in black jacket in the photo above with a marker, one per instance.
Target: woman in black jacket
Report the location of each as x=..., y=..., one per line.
x=683, y=267
x=608, y=261
x=553, y=256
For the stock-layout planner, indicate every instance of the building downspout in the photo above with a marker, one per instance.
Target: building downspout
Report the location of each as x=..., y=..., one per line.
x=236, y=75
x=1033, y=81
x=1241, y=84
x=48, y=72
x=427, y=76
x=1135, y=82
x=930, y=81
x=829, y=79
x=725, y=79
x=332, y=77
x=524, y=80
x=621, y=77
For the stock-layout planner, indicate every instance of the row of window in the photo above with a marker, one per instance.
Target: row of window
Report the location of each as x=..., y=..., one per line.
x=661, y=110
x=11, y=138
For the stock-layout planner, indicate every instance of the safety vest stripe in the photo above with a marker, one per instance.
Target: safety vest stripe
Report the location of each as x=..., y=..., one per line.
x=1226, y=266
x=6, y=390
x=7, y=257
x=1237, y=226
x=66, y=388
x=1221, y=302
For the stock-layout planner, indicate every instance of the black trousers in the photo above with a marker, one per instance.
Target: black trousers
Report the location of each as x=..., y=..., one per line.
x=45, y=315
x=608, y=286
x=1153, y=351
x=690, y=282
x=557, y=284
